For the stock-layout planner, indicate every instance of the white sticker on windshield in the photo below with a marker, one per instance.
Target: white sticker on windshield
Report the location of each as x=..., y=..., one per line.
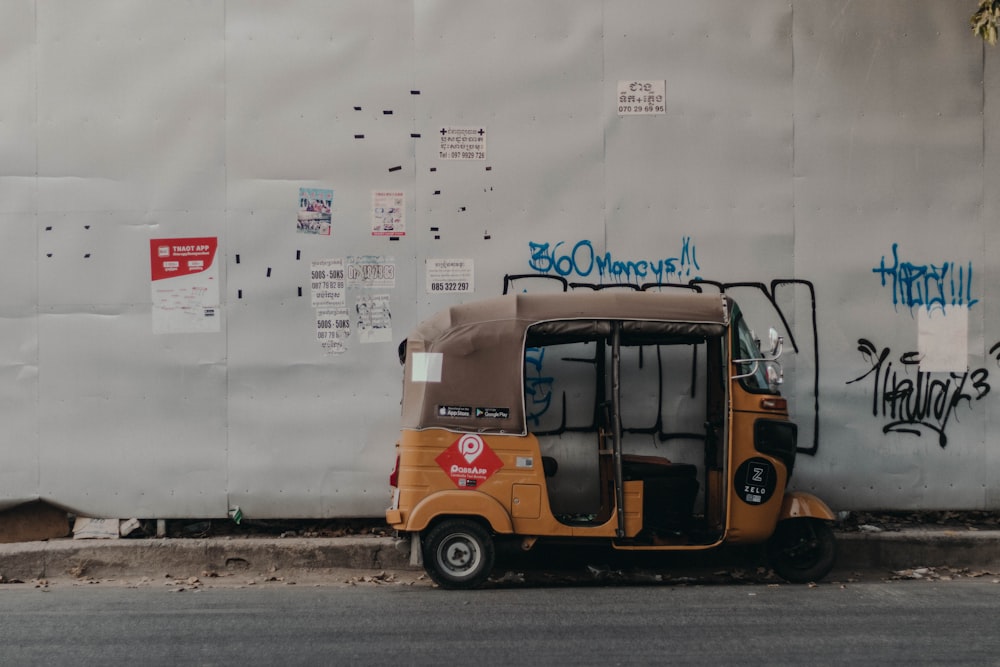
x=426, y=367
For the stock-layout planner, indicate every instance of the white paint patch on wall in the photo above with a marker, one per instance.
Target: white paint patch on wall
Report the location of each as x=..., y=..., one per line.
x=943, y=340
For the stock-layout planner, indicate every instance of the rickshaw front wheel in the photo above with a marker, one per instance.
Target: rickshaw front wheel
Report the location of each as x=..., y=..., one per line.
x=802, y=550
x=459, y=553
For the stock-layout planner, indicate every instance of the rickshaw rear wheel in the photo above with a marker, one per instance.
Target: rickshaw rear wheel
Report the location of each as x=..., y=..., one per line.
x=802, y=550
x=459, y=553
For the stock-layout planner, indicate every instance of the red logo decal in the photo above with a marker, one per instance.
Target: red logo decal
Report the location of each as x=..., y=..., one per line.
x=469, y=461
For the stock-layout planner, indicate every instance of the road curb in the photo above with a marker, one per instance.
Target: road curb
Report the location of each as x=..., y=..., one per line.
x=921, y=547
x=192, y=557
x=979, y=550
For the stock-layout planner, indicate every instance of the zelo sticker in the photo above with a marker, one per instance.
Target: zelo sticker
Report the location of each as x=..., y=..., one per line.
x=755, y=481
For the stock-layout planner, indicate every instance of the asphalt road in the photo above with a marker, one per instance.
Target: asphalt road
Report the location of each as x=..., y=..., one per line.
x=901, y=622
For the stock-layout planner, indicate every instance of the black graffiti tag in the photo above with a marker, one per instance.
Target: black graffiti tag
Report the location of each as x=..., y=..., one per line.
x=921, y=400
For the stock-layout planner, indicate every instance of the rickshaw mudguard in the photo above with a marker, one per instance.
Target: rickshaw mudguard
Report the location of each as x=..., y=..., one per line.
x=459, y=503
x=798, y=504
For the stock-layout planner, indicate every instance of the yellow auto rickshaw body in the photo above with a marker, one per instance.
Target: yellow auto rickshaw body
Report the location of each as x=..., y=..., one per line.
x=648, y=419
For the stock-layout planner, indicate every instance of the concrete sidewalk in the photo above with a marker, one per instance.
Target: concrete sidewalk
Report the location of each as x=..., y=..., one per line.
x=156, y=557
x=260, y=556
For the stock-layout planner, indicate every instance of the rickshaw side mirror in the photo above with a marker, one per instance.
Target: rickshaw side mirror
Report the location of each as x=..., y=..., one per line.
x=775, y=343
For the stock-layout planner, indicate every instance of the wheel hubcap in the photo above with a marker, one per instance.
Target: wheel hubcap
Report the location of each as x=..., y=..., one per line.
x=459, y=555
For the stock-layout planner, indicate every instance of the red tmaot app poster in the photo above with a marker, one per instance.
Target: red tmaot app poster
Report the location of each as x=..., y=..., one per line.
x=185, y=284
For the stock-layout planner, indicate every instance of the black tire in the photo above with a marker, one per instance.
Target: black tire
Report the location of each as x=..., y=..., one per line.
x=459, y=553
x=802, y=550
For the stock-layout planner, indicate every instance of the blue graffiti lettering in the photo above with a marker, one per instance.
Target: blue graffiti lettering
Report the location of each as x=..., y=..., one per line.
x=582, y=259
x=929, y=285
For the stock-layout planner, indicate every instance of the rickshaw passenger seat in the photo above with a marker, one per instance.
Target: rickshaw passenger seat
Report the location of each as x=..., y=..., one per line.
x=643, y=461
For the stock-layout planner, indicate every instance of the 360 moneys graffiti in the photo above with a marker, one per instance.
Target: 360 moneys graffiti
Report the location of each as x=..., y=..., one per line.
x=581, y=260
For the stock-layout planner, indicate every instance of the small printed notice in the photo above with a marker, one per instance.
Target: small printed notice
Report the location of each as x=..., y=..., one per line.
x=314, y=211
x=333, y=327
x=450, y=276
x=387, y=213
x=185, y=285
x=374, y=318
x=328, y=282
x=642, y=98
x=371, y=271
x=462, y=143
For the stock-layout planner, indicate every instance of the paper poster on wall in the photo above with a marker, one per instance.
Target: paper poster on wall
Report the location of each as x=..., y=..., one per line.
x=455, y=276
x=642, y=98
x=315, y=206
x=371, y=271
x=387, y=213
x=185, y=285
x=943, y=340
x=374, y=318
x=328, y=282
x=462, y=143
x=333, y=328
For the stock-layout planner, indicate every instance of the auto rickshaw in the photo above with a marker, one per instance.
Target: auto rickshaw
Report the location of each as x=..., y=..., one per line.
x=648, y=420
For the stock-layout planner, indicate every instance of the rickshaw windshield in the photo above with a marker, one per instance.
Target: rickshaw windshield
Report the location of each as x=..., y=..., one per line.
x=745, y=347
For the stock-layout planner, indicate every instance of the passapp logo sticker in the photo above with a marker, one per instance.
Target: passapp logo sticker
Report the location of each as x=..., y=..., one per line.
x=469, y=461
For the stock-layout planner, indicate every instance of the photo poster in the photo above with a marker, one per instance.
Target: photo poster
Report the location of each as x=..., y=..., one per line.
x=184, y=276
x=387, y=213
x=315, y=206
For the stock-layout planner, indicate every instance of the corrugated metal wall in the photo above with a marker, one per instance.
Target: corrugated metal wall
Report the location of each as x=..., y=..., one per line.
x=836, y=156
